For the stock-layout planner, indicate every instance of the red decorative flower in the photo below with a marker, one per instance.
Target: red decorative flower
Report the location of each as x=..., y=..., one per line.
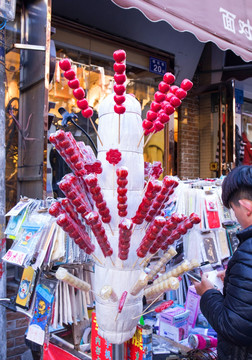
x=95, y=167
x=113, y=156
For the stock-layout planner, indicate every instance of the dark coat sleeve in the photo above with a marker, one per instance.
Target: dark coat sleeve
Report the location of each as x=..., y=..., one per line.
x=231, y=315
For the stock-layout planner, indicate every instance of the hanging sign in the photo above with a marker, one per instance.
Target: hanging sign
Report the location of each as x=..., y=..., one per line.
x=157, y=66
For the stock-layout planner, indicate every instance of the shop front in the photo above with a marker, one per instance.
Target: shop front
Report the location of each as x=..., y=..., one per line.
x=198, y=142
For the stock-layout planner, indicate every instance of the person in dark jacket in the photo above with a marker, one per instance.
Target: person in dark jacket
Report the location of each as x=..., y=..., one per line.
x=230, y=314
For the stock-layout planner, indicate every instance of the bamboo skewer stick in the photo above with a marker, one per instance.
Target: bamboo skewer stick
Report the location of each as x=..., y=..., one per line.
x=148, y=139
x=96, y=258
x=135, y=263
x=111, y=229
x=112, y=261
x=95, y=130
x=147, y=259
x=119, y=130
x=140, y=139
x=144, y=312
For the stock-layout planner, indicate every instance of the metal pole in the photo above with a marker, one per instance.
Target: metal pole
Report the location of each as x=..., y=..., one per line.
x=118, y=352
x=2, y=195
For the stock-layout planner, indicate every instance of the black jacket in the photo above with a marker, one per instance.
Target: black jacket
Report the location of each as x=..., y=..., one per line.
x=230, y=314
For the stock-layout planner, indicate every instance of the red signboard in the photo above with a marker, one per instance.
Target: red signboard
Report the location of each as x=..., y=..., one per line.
x=102, y=349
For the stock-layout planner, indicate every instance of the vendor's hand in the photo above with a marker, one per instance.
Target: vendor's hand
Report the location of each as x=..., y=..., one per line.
x=203, y=286
x=221, y=274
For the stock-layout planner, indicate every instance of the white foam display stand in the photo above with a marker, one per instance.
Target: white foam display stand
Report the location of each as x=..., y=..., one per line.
x=120, y=276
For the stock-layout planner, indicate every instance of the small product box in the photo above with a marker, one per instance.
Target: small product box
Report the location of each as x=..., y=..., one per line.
x=192, y=304
x=174, y=323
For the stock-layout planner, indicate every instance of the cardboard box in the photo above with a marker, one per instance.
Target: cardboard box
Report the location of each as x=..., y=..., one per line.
x=175, y=315
x=192, y=304
x=176, y=333
x=173, y=323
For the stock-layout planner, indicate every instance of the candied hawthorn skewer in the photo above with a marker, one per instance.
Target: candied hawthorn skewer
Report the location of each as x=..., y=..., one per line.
x=125, y=232
x=165, y=305
x=119, y=87
x=72, y=188
x=150, y=236
x=95, y=191
x=92, y=219
x=153, y=187
x=167, y=187
x=76, y=232
x=78, y=92
x=122, y=174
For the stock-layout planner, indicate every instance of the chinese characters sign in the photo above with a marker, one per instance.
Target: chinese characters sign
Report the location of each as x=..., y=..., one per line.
x=102, y=350
x=233, y=24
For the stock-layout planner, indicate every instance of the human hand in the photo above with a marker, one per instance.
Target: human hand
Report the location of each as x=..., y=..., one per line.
x=221, y=274
x=203, y=286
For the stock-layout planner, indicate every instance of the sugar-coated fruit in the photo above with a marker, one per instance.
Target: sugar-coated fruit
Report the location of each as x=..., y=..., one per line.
x=74, y=158
x=188, y=224
x=74, y=84
x=82, y=104
x=119, y=67
x=69, y=151
x=155, y=106
x=87, y=113
x=98, y=197
x=104, y=212
x=53, y=140
x=160, y=198
x=180, y=93
x=60, y=135
x=163, y=104
x=169, y=96
x=163, y=87
x=122, y=172
x=119, y=109
x=122, y=199
x=146, y=124
x=95, y=190
x=106, y=220
x=79, y=93
x=70, y=74
x=120, y=78
x=149, y=131
x=122, y=213
x=122, y=182
x=91, y=180
x=65, y=144
x=119, y=89
x=173, y=89
x=169, y=109
x=122, y=191
x=102, y=205
x=151, y=115
x=169, y=78
x=175, y=101
x=65, y=64
x=158, y=126
x=159, y=96
x=163, y=117
x=122, y=207
x=119, y=55
x=194, y=218
x=186, y=85
x=119, y=99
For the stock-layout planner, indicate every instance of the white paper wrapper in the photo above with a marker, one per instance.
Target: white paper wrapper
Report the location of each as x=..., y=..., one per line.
x=124, y=327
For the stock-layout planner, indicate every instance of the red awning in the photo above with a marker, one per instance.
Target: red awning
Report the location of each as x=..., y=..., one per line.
x=224, y=22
